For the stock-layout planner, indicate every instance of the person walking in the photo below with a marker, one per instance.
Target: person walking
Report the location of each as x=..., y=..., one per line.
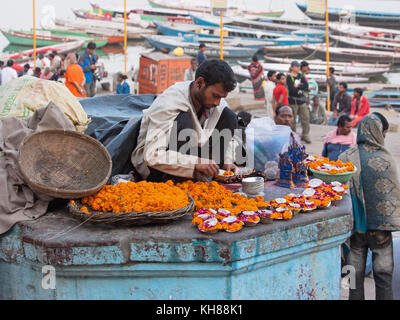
x=257, y=78
x=88, y=63
x=297, y=85
x=269, y=93
x=331, y=82
x=375, y=192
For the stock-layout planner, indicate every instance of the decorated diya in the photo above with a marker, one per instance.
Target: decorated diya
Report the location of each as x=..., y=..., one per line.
x=231, y=224
x=249, y=218
x=210, y=226
x=265, y=216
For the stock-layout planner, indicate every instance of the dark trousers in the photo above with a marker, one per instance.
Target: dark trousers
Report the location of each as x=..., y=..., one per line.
x=381, y=245
x=214, y=146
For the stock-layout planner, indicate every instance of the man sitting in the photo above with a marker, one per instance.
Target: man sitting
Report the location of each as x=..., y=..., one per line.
x=188, y=131
x=317, y=113
x=284, y=117
x=341, y=104
x=339, y=139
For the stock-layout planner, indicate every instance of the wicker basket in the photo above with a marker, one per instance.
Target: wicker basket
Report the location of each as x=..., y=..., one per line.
x=64, y=164
x=130, y=218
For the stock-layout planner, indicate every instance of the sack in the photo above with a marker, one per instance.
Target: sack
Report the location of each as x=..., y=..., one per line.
x=23, y=96
x=264, y=141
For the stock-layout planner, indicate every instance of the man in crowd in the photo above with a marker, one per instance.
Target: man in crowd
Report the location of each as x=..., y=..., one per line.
x=88, y=63
x=37, y=72
x=201, y=56
x=284, y=117
x=317, y=112
x=359, y=107
x=269, y=93
x=55, y=62
x=331, y=83
x=191, y=72
x=280, y=91
x=8, y=73
x=340, y=139
x=341, y=104
x=297, y=86
x=177, y=133
x=42, y=61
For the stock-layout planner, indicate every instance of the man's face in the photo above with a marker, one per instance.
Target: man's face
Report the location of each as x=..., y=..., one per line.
x=194, y=65
x=209, y=97
x=345, y=130
x=203, y=49
x=305, y=70
x=90, y=51
x=296, y=69
x=282, y=80
x=342, y=89
x=316, y=102
x=285, y=117
x=273, y=77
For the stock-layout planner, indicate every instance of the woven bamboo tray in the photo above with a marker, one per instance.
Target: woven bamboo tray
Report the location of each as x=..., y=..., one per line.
x=130, y=218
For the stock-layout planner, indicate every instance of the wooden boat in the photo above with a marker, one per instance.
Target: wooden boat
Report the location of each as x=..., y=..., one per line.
x=294, y=50
x=105, y=27
x=46, y=38
x=268, y=26
x=363, y=32
x=335, y=64
x=300, y=23
x=366, y=44
x=321, y=69
x=163, y=43
x=61, y=48
x=199, y=8
x=350, y=54
x=242, y=75
x=385, y=18
x=111, y=36
x=383, y=98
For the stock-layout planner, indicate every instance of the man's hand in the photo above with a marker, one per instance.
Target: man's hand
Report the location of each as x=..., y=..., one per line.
x=93, y=67
x=207, y=167
x=231, y=167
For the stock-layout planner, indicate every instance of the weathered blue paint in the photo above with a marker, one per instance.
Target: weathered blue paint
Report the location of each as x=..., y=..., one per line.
x=297, y=259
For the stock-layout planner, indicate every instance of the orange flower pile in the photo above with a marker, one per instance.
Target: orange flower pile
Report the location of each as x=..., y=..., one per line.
x=228, y=173
x=338, y=166
x=232, y=227
x=278, y=215
x=137, y=197
x=213, y=195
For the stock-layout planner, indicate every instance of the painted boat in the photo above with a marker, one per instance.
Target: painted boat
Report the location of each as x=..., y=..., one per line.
x=321, y=69
x=105, y=27
x=203, y=9
x=163, y=43
x=27, y=55
x=112, y=37
x=348, y=42
x=383, y=98
x=242, y=75
x=363, y=32
x=350, y=54
x=363, y=17
x=300, y=23
x=294, y=50
x=333, y=64
x=268, y=26
x=46, y=38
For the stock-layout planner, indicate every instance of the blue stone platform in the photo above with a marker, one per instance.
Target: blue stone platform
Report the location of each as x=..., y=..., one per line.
x=296, y=259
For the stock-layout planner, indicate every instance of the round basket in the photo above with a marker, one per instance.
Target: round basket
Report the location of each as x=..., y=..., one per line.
x=329, y=178
x=64, y=164
x=130, y=218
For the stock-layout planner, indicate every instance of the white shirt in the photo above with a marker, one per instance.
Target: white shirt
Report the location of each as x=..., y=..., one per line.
x=189, y=74
x=269, y=95
x=43, y=63
x=8, y=74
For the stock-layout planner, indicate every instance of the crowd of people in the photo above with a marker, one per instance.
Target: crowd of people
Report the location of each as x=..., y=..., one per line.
x=300, y=92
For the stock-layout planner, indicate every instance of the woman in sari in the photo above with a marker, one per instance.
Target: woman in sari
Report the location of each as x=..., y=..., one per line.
x=375, y=195
x=257, y=78
x=74, y=76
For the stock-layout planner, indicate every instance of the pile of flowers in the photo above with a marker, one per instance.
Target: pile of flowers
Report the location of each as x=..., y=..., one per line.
x=136, y=197
x=213, y=195
x=331, y=167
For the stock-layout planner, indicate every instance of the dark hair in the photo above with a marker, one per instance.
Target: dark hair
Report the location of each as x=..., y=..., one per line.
x=385, y=123
x=344, y=84
x=278, y=109
x=10, y=63
x=193, y=60
x=1, y=63
x=27, y=65
x=244, y=118
x=202, y=45
x=331, y=69
x=280, y=75
x=51, y=55
x=91, y=45
x=122, y=76
x=37, y=69
x=270, y=73
x=359, y=90
x=217, y=71
x=255, y=58
x=41, y=55
x=55, y=52
x=303, y=64
x=342, y=120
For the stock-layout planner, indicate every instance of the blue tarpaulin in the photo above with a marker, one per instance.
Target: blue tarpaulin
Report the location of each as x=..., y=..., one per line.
x=110, y=115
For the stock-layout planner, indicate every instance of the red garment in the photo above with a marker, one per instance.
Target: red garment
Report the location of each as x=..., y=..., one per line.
x=279, y=90
x=256, y=70
x=359, y=111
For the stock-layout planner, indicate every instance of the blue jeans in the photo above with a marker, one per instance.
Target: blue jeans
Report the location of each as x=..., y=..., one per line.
x=381, y=245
